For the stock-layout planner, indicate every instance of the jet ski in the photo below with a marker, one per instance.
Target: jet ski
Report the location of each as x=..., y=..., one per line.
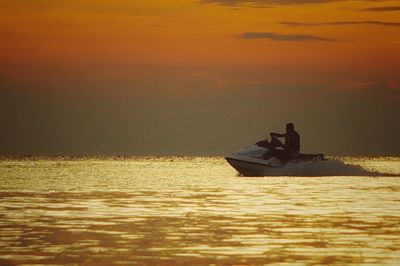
x=255, y=161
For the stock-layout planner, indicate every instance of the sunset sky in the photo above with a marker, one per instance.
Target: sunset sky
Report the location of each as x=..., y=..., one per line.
x=198, y=77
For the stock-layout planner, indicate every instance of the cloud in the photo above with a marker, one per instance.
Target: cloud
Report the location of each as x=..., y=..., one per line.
x=283, y=37
x=388, y=89
x=264, y=3
x=340, y=23
x=382, y=8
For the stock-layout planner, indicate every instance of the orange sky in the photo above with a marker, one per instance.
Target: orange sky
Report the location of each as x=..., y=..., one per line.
x=192, y=33
x=298, y=51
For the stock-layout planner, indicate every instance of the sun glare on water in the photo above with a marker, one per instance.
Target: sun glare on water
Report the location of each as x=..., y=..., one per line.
x=178, y=210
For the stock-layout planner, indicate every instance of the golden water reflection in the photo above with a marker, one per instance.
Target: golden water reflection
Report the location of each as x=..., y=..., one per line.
x=191, y=211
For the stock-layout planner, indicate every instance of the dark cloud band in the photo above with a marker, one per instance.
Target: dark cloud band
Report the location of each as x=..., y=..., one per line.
x=340, y=23
x=283, y=37
x=382, y=8
x=263, y=3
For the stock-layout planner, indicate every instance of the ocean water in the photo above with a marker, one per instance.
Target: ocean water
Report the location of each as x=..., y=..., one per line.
x=196, y=211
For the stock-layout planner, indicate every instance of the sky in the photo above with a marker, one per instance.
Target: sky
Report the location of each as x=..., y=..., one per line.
x=198, y=77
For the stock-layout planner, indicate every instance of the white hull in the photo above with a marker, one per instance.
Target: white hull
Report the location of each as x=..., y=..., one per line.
x=246, y=168
x=249, y=162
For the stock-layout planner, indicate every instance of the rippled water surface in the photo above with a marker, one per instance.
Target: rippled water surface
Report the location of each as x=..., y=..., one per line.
x=187, y=211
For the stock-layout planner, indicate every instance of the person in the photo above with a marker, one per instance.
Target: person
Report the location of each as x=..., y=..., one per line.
x=291, y=147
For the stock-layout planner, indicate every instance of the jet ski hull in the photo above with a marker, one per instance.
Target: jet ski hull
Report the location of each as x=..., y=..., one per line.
x=247, y=168
x=250, y=161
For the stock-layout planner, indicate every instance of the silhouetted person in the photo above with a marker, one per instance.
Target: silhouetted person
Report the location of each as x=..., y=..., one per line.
x=291, y=147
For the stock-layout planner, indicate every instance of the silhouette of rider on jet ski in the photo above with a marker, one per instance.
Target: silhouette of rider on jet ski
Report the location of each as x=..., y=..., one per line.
x=291, y=147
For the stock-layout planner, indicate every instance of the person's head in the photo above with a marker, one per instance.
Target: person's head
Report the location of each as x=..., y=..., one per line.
x=289, y=127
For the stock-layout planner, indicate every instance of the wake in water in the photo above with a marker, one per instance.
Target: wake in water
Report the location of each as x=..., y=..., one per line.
x=331, y=167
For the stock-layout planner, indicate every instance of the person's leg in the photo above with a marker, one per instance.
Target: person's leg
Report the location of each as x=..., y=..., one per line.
x=275, y=142
x=264, y=144
x=286, y=156
x=271, y=146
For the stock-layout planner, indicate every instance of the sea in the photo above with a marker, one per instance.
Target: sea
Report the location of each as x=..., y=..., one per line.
x=196, y=211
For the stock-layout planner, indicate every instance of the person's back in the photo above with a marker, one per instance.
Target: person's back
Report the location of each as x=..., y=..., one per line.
x=292, y=141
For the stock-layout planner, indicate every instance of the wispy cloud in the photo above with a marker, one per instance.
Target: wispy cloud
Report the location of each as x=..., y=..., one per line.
x=382, y=8
x=263, y=3
x=283, y=37
x=340, y=23
x=382, y=87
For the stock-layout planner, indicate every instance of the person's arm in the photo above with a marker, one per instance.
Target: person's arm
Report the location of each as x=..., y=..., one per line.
x=273, y=134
